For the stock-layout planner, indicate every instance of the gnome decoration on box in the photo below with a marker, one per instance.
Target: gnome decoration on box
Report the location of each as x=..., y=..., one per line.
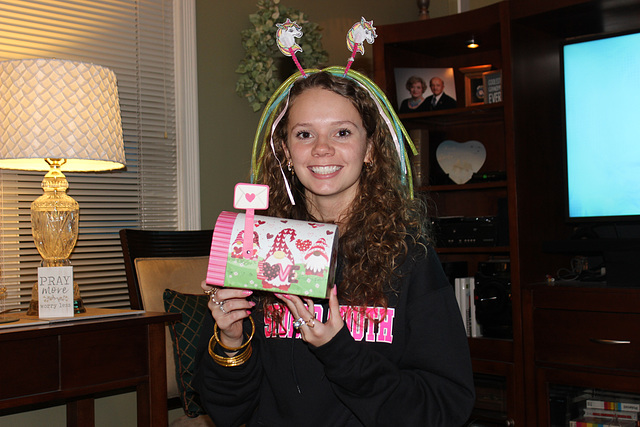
x=316, y=259
x=236, y=249
x=278, y=268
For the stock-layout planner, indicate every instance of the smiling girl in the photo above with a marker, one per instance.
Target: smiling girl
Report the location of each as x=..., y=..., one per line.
x=388, y=348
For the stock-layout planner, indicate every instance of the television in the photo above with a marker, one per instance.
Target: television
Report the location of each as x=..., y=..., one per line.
x=601, y=85
x=602, y=126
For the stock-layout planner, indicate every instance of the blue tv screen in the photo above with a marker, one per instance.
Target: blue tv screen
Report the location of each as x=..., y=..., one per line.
x=602, y=118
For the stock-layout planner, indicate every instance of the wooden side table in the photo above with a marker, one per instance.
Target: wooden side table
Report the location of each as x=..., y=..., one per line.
x=72, y=361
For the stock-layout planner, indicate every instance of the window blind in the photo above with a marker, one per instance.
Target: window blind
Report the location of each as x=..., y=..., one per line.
x=134, y=38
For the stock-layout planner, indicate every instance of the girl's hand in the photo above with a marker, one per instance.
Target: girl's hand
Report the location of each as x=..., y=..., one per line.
x=312, y=330
x=229, y=307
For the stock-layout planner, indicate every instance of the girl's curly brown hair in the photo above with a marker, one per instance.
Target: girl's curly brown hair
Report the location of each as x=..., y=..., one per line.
x=383, y=213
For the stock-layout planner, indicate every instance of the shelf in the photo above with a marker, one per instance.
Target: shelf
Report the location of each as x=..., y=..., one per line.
x=588, y=246
x=521, y=140
x=483, y=113
x=464, y=187
x=492, y=349
x=450, y=46
x=447, y=36
x=569, y=402
x=440, y=43
x=474, y=250
x=575, y=297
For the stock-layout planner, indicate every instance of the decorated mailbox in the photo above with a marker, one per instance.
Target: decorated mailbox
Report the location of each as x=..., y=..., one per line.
x=274, y=254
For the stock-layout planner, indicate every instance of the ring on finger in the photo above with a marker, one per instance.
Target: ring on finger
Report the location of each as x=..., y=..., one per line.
x=221, y=305
x=212, y=293
x=299, y=323
x=311, y=322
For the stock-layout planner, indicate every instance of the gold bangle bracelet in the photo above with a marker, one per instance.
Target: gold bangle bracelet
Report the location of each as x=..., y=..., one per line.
x=216, y=332
x=236, y=360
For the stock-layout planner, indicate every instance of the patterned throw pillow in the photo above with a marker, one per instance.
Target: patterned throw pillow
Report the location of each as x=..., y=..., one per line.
x=185, y=336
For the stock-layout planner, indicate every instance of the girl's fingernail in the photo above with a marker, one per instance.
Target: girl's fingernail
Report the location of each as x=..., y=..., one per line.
x=247, y=293
x=252, y=304
x=335, y=290
x=249, y=312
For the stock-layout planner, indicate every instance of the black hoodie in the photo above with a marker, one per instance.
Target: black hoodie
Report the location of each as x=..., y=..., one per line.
x=413, y=369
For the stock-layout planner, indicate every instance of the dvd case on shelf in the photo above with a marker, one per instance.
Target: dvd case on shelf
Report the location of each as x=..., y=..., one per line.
x=601, y=422
x=465, y=294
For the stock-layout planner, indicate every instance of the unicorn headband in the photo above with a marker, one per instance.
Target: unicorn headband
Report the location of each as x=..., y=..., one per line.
x=359, y=32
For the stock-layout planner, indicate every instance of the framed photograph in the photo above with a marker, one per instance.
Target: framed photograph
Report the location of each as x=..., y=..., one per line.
x=474, y=93
x=492, y=81
x=434, y=81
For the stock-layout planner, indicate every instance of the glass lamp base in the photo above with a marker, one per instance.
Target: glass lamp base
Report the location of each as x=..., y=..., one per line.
x=54, y=224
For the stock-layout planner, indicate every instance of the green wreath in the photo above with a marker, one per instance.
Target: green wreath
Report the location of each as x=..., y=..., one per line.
x=264, y=67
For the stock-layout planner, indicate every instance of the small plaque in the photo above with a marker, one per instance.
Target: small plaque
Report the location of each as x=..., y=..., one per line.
x=55, y=292
x=492, y=86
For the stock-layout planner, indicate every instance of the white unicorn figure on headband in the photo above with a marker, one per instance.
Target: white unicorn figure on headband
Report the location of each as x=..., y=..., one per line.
x=361, y=31
x=286, y=40
x=286, y=37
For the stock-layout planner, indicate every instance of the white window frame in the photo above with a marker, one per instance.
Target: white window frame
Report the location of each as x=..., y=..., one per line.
x=186, y=64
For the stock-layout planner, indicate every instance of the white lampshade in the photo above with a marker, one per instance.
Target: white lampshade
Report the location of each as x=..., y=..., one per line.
x=59, y=109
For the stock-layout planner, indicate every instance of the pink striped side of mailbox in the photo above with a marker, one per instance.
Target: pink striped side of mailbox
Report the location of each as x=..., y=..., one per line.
x=220, y=248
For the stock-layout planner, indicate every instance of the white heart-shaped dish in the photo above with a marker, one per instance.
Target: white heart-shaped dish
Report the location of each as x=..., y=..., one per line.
x=460, y=160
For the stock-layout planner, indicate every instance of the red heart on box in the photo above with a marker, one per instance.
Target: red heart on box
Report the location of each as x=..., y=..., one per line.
x=303, y=245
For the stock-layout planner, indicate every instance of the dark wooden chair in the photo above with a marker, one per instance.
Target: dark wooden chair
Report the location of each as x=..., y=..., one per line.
x=156, y=244
x=157, y=260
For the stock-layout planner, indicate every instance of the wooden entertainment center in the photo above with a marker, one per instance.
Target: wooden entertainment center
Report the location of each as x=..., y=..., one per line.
x=566, y=339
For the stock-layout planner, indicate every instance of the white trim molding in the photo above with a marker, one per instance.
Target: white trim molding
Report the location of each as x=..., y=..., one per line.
x=187, y=136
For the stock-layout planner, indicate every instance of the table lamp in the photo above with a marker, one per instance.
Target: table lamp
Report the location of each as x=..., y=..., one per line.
x=58, y=116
